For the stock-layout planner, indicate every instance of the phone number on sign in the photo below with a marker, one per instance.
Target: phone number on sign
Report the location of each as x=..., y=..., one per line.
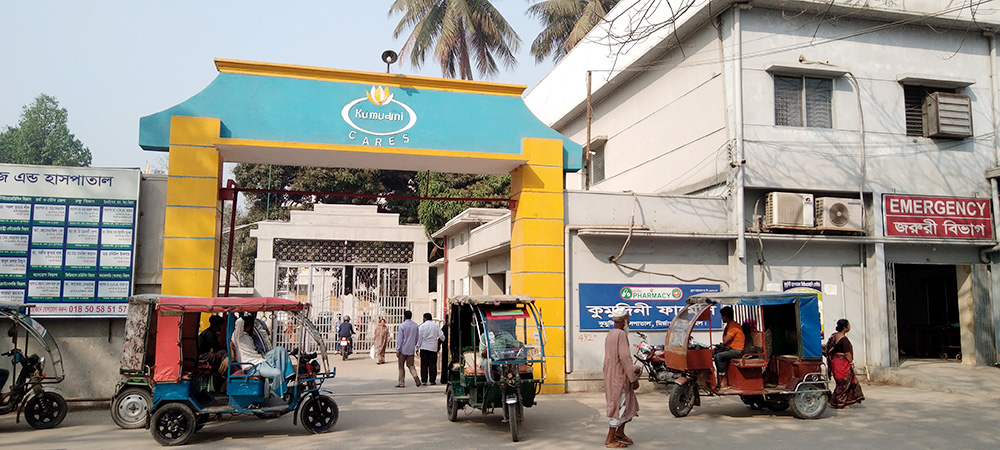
x=77, y=309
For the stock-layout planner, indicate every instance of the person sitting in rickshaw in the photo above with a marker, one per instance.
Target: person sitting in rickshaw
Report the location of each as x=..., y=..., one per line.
x=732, y=344
x=273, y=365
x=211, y=351
x=500, y=341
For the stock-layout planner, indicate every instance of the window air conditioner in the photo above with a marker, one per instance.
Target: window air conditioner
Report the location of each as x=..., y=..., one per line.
x=786, y=209
x=839, y=213
x=947, y=115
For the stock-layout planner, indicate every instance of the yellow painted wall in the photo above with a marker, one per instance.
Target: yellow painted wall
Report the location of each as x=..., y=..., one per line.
x=191, y=229
x=536, y=247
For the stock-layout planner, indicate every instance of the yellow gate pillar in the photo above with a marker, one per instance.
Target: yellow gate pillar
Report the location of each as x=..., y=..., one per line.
x=190, y=231
x=536, y=246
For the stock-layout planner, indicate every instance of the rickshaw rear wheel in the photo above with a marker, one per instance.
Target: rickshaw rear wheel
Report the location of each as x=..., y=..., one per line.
x=319, y=414
x=453, y=405
x=512, y=420
x=682, y=399
x=173, y=424
x=809, y=404
x=46, y=410
x=131, y=407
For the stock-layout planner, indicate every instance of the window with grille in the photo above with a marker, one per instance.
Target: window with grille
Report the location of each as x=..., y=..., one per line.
x=801, y=101
x=597, y=164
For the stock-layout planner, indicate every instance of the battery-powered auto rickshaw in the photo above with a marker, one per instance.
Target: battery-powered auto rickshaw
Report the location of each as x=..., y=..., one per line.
x=496, y=356
x=182, y=398
x=32, y=377
x=134, y=393
x=781, y=365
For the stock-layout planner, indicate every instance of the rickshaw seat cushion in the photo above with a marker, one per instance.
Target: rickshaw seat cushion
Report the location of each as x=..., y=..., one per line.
x=753, y=360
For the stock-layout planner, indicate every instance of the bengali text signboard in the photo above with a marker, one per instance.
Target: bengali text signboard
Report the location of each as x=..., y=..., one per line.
x=937, y=217
x=651, y=307
x=67, y=239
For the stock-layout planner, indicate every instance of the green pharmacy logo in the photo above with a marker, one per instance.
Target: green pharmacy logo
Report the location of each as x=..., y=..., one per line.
x=651, y=293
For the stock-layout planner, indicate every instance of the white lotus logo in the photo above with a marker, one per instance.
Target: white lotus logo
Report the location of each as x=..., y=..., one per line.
x=379, y=95
x=389, y=116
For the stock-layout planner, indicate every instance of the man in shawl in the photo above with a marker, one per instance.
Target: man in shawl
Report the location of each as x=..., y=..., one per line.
x=620, y=381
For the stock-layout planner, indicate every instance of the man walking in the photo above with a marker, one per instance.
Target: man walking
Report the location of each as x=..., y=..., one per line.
x=430, y=336
x=620, y=381
x=406, y=346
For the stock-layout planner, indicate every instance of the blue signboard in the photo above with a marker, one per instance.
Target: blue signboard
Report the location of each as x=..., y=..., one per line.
x=650, y=306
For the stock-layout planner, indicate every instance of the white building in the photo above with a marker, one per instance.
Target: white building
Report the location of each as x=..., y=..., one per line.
x=695, y=121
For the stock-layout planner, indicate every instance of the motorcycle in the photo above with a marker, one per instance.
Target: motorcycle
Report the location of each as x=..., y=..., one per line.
x=345, y=347
x=651, y=358
x=31, y=391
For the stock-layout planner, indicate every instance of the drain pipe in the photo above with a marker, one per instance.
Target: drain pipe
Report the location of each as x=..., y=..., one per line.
x=567, y=292
x=738, y=162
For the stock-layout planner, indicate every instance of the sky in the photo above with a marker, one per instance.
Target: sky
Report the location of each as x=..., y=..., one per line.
x=111, y=62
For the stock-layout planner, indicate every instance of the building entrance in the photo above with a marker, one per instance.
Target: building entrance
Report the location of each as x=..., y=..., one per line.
x=927, y=311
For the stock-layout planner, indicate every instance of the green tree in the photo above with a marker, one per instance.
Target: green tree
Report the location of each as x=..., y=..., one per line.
x=566, y=23
x=42, y=137
x=435, y=213
x=459, y=33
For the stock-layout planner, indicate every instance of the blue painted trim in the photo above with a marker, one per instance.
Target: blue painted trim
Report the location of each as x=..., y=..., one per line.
x=312, y=111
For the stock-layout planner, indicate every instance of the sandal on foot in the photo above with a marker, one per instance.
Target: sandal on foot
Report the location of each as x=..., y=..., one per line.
x=615, y=444
x=624, y=440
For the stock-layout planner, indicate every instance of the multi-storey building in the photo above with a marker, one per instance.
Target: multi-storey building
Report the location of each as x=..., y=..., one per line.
x=841, y=146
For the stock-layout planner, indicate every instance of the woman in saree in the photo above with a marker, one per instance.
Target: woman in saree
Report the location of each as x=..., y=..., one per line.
x=840, y=360
x=381, y=340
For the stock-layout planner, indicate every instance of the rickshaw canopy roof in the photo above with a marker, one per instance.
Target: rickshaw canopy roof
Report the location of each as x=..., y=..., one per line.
x=807, y=308
x=751, y=298
x=490, y=300
x=221, y=304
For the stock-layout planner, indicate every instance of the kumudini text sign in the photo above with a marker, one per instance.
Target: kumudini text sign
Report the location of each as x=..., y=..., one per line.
x=67, y=238
x=651, y=307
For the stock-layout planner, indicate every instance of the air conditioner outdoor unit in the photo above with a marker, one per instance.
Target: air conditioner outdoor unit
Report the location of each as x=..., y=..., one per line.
x=839, y=213
x=785, y=209
x=947, y=116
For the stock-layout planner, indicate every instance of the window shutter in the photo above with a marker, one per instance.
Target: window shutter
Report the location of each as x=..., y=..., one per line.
x=788, y=101
x=597, y=165
x=818, y=98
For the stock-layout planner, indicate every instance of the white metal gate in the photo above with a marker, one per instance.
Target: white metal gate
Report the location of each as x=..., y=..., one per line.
x=363, y=292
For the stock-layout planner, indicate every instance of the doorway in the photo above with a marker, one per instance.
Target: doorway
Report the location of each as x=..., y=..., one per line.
x=927, y=311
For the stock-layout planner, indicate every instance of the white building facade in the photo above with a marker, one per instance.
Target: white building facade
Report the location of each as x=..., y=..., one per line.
x=774, y=145
x=345, y=260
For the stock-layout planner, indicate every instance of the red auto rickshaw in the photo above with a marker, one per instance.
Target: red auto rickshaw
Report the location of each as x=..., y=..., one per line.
x=782, y=365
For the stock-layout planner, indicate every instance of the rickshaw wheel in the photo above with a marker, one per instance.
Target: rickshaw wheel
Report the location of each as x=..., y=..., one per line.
x=173, y=424
x=130, y=408
x=45, y=410
x=512, y=420
x=681, y=399
x=319, y=414
x=453, y=406
x=809, y=405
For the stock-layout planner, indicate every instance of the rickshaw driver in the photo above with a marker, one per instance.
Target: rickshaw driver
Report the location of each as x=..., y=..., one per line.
x=732, y=344
x=273, y=365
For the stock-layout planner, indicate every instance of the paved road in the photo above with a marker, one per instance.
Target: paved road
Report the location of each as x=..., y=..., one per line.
x=374, y=414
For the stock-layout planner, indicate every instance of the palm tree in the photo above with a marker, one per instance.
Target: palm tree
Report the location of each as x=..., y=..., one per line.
x=460, y=32
x=566, y=23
